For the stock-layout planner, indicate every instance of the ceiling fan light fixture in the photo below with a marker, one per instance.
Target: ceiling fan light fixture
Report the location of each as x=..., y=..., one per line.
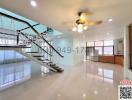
x=85, y=27
x=80, y=28
x=74, y=29
x=82, y=18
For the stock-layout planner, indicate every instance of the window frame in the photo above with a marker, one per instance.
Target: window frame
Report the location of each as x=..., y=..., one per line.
x=103, y=46
x=108, y=54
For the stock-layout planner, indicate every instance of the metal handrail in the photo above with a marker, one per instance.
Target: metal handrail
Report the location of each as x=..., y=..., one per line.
x=34, y=42
x=8, y=34
x=28, y=39
x=20, y=20
x=28, y=27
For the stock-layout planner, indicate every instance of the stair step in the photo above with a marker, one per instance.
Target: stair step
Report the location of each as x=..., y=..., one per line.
x=37, y=56
x=47, y=59
x=52, y=70
x=55, y=67
x=23, y=45
x=32, y=52
x=14, y=47
x=40, y=59
x=51, y=64
x=60, y=71
x=47, y=62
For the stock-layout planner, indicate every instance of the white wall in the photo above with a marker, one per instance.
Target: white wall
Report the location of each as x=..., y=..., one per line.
x=119, y=46
x=63, y=44
x=76, y=54
x=79, y=40
x=79, y=45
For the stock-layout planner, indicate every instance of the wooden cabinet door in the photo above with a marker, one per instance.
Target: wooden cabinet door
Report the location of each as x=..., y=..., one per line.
x=130, y=45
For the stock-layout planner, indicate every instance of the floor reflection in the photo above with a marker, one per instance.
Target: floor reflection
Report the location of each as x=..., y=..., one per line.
x=87, y=81
x=12, y=74
x=107, y=75
x=100, y=73
x=44, y=71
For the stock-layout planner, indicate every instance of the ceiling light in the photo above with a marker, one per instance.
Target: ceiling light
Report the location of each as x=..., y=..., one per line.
x=59, y=95
x=80, y=31
x=33, y=3
x=110, y=20
x=84, y=95
x=96, y=92
x=85, y=27
x=74, y=29
x=80, y=28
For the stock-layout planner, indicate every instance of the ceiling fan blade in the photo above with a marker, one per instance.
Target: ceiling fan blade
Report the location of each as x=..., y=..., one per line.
x=91, y=23
x=68, y=22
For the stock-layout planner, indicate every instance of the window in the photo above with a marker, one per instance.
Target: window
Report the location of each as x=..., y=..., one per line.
x=0, y=41
x=99, y=43
x=90, y=44
x=99, y=49
x=108, y=43
x=108, y=47
x=7, y=42
x=103, y=47
x=108, y=50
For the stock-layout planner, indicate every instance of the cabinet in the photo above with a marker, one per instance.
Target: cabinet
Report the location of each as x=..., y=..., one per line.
x=130, y=45
x=119, y=59
x=106, y=59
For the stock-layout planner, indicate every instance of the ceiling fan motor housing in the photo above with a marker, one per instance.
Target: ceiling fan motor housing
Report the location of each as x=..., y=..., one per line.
x=80, y=22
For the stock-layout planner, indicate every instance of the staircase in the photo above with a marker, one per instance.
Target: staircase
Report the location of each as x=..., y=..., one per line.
x=39, y=58
x=30, y=46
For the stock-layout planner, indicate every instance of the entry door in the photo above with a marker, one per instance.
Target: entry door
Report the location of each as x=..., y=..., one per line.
x=89, y=52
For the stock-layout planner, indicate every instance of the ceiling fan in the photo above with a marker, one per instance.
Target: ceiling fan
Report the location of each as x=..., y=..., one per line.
x=83, y=22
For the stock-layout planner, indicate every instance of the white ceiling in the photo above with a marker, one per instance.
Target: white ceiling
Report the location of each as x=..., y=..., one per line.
x=55, y=13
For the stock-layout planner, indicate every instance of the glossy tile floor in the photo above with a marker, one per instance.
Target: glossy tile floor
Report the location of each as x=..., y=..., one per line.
x=87, y=81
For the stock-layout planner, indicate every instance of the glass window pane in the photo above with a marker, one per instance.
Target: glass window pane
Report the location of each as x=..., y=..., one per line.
x=108, y=50
x=99, y=43
x=9, y=54
x=100, y=52
x=90, y=43
x=108, y=43
x=3, y=41
x=0, y=41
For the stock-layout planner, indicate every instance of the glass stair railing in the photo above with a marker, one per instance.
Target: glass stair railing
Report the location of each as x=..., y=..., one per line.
x=31, y=38
x=41, y=54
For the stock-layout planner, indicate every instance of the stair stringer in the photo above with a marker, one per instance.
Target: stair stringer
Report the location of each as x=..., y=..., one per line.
x=34, y=59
